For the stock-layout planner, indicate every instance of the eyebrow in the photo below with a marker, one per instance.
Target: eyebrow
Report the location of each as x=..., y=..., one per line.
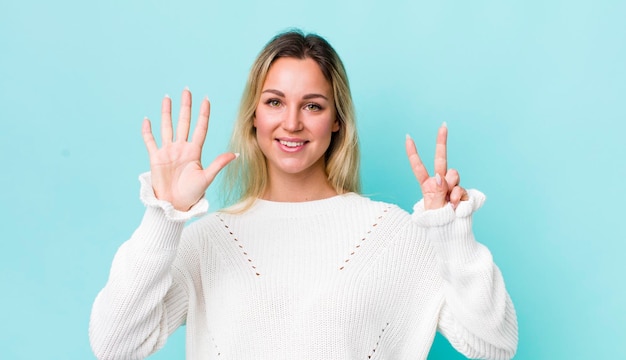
x=305, y=97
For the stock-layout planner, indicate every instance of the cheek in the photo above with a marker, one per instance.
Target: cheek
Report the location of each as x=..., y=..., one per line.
x=335, y=121
x=263, y=125
x=268, y=120
x=332, y=125
x=325, y=130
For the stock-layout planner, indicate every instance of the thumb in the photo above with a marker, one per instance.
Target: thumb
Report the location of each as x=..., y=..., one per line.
x=217, y=165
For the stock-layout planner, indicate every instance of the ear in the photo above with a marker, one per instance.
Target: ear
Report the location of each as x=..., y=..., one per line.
x=336, y=125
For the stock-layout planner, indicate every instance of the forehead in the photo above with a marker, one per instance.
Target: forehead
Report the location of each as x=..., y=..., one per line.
x=287, y=73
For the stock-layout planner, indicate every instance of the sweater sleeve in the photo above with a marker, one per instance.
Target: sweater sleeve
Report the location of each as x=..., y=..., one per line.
x=143, y=301
x=477, y=315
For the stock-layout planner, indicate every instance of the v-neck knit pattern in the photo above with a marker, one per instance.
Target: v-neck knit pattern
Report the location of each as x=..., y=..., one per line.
x=339, y=278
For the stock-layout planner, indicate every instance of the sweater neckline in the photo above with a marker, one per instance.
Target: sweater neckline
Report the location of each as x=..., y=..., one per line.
x=299, y=209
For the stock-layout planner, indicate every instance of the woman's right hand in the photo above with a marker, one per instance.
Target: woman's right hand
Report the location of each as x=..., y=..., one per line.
x=177, y=173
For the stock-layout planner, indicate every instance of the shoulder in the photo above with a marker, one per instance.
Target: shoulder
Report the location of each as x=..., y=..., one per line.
x=394, y=227
x=208, y=222
x=387, y=217
x=366, y=202
x=203, y=231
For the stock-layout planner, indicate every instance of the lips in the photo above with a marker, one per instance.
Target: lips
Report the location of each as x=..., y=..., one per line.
x=291, y=145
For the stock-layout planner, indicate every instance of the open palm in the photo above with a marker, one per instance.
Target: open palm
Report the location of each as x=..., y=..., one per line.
x=177, y=173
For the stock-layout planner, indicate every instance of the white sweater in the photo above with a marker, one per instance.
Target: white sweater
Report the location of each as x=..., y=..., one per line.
x=340, y=278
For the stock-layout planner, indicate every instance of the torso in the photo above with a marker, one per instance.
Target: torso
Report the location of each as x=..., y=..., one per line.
x=343, y=278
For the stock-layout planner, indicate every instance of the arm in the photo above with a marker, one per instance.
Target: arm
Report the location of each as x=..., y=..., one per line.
x=145, y=298
x=143, y=301
x=477, y=316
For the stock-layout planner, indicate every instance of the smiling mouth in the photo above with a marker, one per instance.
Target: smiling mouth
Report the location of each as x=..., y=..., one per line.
x=291, y=144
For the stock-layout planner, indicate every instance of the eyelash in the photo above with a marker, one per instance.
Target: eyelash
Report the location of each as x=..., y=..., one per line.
x=273, y=102
x=309, y=106
x=317, y=107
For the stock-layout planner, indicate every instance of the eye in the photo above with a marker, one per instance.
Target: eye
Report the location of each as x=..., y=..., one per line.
x=273, y=102
x=313, y=107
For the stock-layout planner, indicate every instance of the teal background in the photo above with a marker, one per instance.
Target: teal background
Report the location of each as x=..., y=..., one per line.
x=533, y=93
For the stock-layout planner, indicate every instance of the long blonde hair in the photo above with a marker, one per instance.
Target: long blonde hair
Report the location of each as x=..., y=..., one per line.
x=246, y=178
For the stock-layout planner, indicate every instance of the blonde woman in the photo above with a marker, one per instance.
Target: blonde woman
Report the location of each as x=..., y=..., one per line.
x=300, y=266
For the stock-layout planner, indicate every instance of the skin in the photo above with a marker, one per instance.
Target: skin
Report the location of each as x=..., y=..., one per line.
x=444, y=186
x=294, y=122
x=284, y=112
x=177, y=173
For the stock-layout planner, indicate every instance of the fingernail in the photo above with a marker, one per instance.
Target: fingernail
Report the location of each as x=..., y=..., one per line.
x=187, y=88
x=445, y=124
x=236, y=155
x=438, y=179
x=167, y=96
x=408, y=137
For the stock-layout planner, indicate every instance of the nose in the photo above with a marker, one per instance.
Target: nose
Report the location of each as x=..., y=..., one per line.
x=292, y=121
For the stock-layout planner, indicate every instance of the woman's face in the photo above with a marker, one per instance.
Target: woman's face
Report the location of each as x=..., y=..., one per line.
x=295, y=117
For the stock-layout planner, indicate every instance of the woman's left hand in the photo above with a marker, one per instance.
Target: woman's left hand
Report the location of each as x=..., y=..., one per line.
x=444, y=186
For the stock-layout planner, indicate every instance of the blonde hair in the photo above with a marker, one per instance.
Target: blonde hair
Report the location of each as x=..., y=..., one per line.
x=246, y=178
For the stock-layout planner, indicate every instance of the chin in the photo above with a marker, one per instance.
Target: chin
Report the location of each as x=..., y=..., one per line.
x=293, y=170
x=297, y=167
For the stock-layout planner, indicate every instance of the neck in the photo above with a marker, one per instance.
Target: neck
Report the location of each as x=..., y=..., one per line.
x=300, y=187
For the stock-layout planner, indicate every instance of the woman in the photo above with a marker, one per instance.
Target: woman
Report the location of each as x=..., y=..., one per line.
x=301, y=267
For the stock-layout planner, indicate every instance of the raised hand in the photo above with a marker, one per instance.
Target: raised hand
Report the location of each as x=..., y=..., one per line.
x=444, y=186
x=176, y=167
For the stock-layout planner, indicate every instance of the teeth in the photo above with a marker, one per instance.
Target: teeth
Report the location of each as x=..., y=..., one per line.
x=292, y=143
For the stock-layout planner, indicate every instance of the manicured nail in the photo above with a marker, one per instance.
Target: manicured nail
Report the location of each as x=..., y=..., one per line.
x=438, y=179
x=167, y=96
x=408, y=137
x=187, y=88
x=445, y=124
x=236, y=155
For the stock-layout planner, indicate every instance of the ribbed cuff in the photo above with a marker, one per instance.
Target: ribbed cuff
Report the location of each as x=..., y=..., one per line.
x=156, y=232
x=450, y=229
x=446, y=214
x=149, y=199
x=432, y=218
x=455, y=242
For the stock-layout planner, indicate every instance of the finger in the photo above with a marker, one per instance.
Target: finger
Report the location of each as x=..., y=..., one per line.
x=452, y=178
x=457, y=195
x=184, y=116
x=217, y=165
x=166, y=120
x=414, y=159
x=148, y=138
x=441, y=156
x=199, y=133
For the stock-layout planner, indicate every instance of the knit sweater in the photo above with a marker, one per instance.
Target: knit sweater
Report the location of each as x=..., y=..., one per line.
x=340, y=278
